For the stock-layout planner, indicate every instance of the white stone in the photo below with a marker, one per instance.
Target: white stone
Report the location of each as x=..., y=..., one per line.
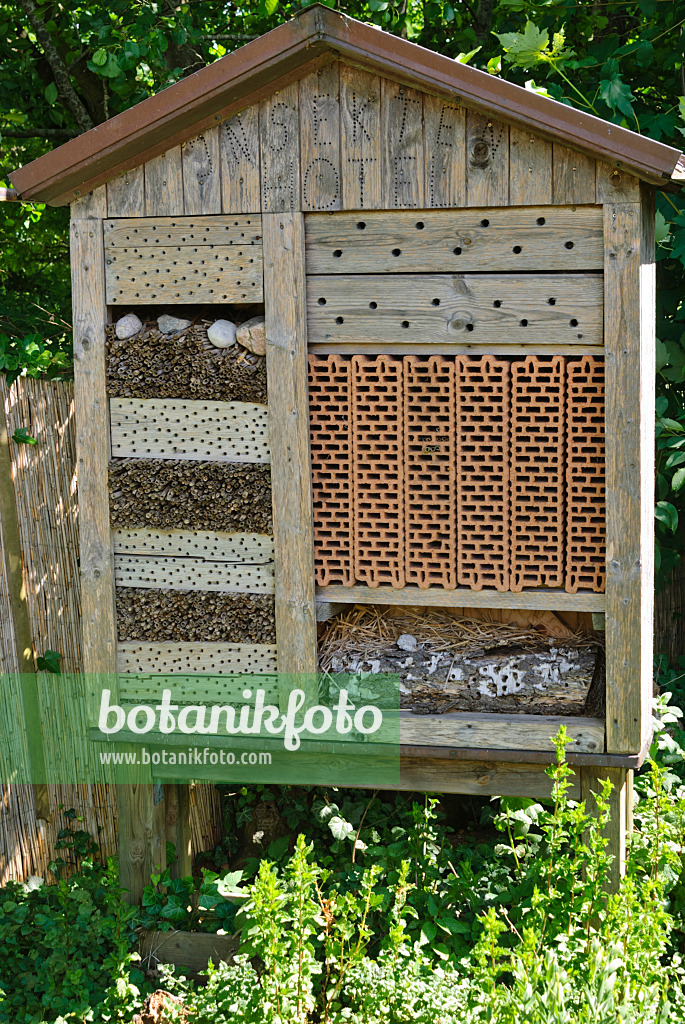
x=252, y=335
x=407, y=642
x=127, y=326
x=222, y=333
x=171, y=324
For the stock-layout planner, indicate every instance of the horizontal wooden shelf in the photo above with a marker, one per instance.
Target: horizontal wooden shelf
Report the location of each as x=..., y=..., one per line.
x=446, y=348
x=463, y=597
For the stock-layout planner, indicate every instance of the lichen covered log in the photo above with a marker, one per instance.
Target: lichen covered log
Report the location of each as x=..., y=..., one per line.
x=183, y=616
x=183, y=495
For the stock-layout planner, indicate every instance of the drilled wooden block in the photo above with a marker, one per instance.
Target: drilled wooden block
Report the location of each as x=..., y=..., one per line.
x=430, y=471
x=537, y=472
x=585, y=477
x=483, y=453
x=378, y=470
x=331, y=452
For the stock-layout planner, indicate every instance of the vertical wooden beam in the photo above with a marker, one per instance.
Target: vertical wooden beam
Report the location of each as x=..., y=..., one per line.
x=444, y=139
x=239, y=145
x=280, y=150
x=574, y=176
x=629, y=366
x=487, y=161
x=201, y=174
x=164, y=185
x=402, y=146
x=530, y=169
x=320, y=139
x=286, y=367
x=620, y=809
x=360, y=139
x=177, y=808
x=126, y=194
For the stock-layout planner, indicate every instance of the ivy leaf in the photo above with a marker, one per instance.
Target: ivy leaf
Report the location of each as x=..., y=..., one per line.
x=100, y=57
x=21, y=436
x=340, y=828
x=49, y=662
x=616, y=94
x=667, y=514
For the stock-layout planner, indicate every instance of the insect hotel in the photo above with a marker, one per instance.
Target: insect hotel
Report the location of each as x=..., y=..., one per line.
x=364, y=382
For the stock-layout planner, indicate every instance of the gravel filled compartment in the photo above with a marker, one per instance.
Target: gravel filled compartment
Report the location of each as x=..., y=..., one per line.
x=184, y=365
x=168, y=494
x=188, y=616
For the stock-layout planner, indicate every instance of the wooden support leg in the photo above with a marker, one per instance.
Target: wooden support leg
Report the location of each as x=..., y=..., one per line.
x=142, y=836
x=620, y=808
x=177, y=803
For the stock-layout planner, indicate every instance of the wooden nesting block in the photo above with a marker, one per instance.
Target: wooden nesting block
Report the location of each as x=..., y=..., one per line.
x=330, y=418
x=430, y=471
x=585, y=476
x=537, y=472
x=379, y=538
x=194, y=658
x=483, y=456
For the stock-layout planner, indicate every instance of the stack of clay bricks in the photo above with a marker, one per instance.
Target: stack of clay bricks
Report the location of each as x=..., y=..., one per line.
x=459, y=470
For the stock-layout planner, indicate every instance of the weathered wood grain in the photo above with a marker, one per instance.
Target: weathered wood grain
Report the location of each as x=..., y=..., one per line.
x=164, y=184
x=620, y=810
x=202, y=173
x=491, y=731
x=138, y=232
x=141, y=833
x=402, y=176
x=629, y=370
x=647, y=406
x=189, y=658
x=286, y=364
x=178, y=831
x=240, y=182
x=126, y=194
x=177, y=429
x=200, y=688
x=574, y=176
x=184, y=273
x=530, y=169
x=92, y=204
x=360, y=138
x=479, y=778
x=320, y=139
x=487, y=161
x=280, y=151
x=242, y=548
x=464, y=597
x=614, y=185
x=191, y=950
x=184, y=573
x=487, y=308
x=444, y=135
x=525, y=239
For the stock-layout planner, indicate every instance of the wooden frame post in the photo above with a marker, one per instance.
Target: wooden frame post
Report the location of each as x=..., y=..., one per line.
x=620, y=809
x=177, y=808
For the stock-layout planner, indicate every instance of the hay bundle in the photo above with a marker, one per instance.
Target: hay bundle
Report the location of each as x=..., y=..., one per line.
x=185, y=365
x=187, y=616
x=184, y=495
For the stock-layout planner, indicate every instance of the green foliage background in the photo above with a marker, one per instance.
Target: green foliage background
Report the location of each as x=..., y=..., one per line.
x=66, y=66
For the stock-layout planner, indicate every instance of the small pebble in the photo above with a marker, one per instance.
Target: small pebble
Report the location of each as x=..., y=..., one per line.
x=127, y=326
x=407, y=642
x=222, y=333
x=172, y=324
x=252, y=335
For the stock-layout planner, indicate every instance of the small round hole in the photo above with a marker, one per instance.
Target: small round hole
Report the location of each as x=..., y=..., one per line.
x=524, y=323
x=541, y=221
x=322, y=302
x=469, y=327
x=339, y=320
x=569, y=245
x=457, y=251
x=516, y=249
x=361, y=224
x=397, y=252
x=573, y=323
x=485, y=223
x=338, y=253
x=435, y=302
x=552, y=302
x=497, y=303
x=373, y=305
x=420, y=225
x=405, y=323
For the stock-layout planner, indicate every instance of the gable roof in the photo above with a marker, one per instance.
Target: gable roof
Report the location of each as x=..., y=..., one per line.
x=288, y=52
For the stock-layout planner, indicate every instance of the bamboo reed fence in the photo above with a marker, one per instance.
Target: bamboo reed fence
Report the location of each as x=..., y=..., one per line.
x=45, y=492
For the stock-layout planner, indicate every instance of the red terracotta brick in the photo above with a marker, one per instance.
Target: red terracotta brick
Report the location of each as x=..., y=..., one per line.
x=430, y=471
x=378, y=470
x=483, y=471
x=585, y=483
x=330, y=408
x=537, y=472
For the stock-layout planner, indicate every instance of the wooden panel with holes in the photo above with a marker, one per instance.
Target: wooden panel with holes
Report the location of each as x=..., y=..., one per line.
x=151, y=428
x=529, y=238
x=222, y=689
x=494, y=309
x=191, y=658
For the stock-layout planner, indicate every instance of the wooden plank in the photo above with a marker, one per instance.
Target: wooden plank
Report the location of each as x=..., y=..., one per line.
x=178, y=831
x=629, y=369
x=520, y=239
x=502, y=732
x=198, y=689
x=191, y=950
x=448, y=348
x=574, y=176
x=286, y=366
x=620, y=810
x=501, y=309
x=239, y=143
x=185, y=273
x=360, y=138
x=647, y=406
x=444, y=135
x=164, y=184
x=174, y=573
x=463, y=597
x=178, y=429
x=530, y=169
x=280, y=150
x=201, y=173
x=92, y=204
x=195, y=657
x=141, y=832
x=614, y=185
x=126, y=194
x=238, y=230
x=479, y=778
x=241, y=548
x=487, y=161
x=320, y=139
x=401, y=146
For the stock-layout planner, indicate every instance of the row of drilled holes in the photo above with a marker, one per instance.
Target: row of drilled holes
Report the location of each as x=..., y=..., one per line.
x=436, y=302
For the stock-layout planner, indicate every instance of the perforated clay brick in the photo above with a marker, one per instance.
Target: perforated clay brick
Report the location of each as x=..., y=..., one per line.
x=330, y=407
x=585, y=482
x=537, y=474
x=430, y=471
x=378, y=475
x=482, y=418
